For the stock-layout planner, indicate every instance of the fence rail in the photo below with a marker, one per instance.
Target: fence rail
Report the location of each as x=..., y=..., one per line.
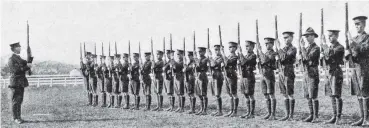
x=66, y=80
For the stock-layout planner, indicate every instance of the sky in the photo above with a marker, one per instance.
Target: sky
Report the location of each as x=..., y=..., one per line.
x=58, y=27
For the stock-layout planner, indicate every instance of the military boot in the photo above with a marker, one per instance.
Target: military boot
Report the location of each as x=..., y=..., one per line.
x=316, y=111
x=292, y=109
x=339, y=111
x=248, y=108
x=334, y=107
x=268, y=103
x=103, y=99
x=360, y=121
x=157, y=107
x=179, y=104
x=232, y=107
x=273, y=108
x=205, y=106
x=193, y=104
x=287, y=106
x=201, y=106
x=219, y=113
x=365, y=108
x=170, y=104
x=311, y=109
x=234, y=114
x=117, y=105
x=126, y=98
x=252, y=110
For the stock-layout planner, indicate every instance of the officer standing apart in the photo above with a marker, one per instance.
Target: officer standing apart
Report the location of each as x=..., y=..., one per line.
x=18, y=81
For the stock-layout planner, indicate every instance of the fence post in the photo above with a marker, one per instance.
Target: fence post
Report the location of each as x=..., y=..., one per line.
x=51, y=82
x=75, y=81
x=65, y=81
x=38, y=82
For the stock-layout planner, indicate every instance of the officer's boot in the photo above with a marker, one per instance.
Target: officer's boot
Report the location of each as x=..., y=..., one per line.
x=138, y=103
x=89, y=98
x=236, y=101
x=170, y=104
x=232, y=107
x=268, y=103
x=248, y=108
x=183, y=101
x=287, y=106
x=220, y=111
x=193, y=103
x=252, y=110
x=205, y=106
x=334, y=107
x=103, y=99
x=111, y=101
x=274, y=105
x=360, y=121
x=148, y=103
x=311, y=109
x=157, y=107
x=365, y=108
x=339, y=111
x=126, y=98
x=117, y=105
x=96, y=100
x=160, y=103
x=292, y=109
x=179, y=104
x=316, y=111
x=201, y=106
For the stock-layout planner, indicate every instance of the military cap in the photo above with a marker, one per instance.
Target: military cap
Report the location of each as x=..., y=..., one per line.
x=217, y=46
x=125, y=54
x=170, y=51
x=147, y=53
x=111, y=57
x=288, y=33
x=269, y=40
x=117, y=55
x=13, y=45
x=334, y=31
x=250, y=42
x=93, y=55
x=88, y=53
x=159, y=52
x=102, y=56
x=310, y=31
x=360, y=18
x=232, y=44
x=202, y=49
x=179, y=51
x=190, y=53
x=136, y=54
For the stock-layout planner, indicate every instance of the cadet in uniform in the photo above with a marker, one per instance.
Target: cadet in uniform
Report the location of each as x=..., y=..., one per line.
x=169, y=83
x=360, y=56
x=116, y=81
x=145, y=72
x=202, y=68
x=100, y=80
x=287, y=57
x=268, y=65
x=333, y=57
x=311, y=57
x=231, y=71
x=109, y=82
x=179, y=80
x=248, y=65
x=136, y=83
x=17, y=80
x=158, y=70
x=93, y=79
x=84, y=69
x=190, y=85
x=216, y=67
x=124, y=79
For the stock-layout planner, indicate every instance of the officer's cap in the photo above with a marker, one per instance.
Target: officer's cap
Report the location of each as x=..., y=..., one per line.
x=269, y=40
x=360, y=18
x=232, y=44
x=288, y=33
x=13, y=45
x=201, y=49
x=334, y=31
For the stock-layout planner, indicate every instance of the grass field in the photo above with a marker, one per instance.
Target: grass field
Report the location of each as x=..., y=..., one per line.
x=60, y=106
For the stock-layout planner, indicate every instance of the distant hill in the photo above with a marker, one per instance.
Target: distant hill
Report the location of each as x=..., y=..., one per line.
x=45, y=68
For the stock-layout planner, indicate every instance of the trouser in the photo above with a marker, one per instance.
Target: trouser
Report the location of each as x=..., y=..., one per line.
x=16, y=99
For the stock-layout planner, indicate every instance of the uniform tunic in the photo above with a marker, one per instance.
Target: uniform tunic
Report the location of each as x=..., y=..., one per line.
x=115, y=78
x=92, y=77
x=287, y=77
x=268, y=66
x=158, y=70
x=190, y=76
x=100, y=78
x=333, y=60
x=145, y=72
x=179, y=78
x=311, y=79
x=108, y=80
x=231, y=72
x=135, y=86
x=123, y=77
x=248, y=65
x=169, y=83
x=84, y=70
x=202, y=69
x=217, y=75
x=362, y=58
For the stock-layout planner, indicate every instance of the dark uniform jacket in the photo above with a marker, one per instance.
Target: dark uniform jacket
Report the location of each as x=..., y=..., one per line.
x=158, y=69
x=123, y=72
x=288, y=59
x=18, y=68
x=362, y=48
x=248, y=65
x=202, y=68
x=135, y=71
x=168, y=71
x=146, y=70
x=190, y=70
x=312, y=60
x=335, y=58
x=178, y=69
x=269, y=64
x=231, y=66
x=217, y=68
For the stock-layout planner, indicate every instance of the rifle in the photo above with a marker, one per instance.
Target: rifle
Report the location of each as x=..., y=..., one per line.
x=184, y=63
x=172, y=56
x=211, y=71
x=279, y=64
x=195, y=63
x=301, y=64
x=29, y=53
x=110, y=65
x=239, y=54
x=224, y=58
x=95, y=54
x=165, y=62
x=351, y=64
x=140, y=68
x=153, y=66
x=130, y=65
x=116, y=50
x=259, y=52
x=323, y=47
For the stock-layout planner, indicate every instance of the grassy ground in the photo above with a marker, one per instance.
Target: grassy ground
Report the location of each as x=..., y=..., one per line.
x=66, y=107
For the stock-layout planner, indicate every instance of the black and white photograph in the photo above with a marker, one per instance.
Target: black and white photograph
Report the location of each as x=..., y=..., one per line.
x=184, y=64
